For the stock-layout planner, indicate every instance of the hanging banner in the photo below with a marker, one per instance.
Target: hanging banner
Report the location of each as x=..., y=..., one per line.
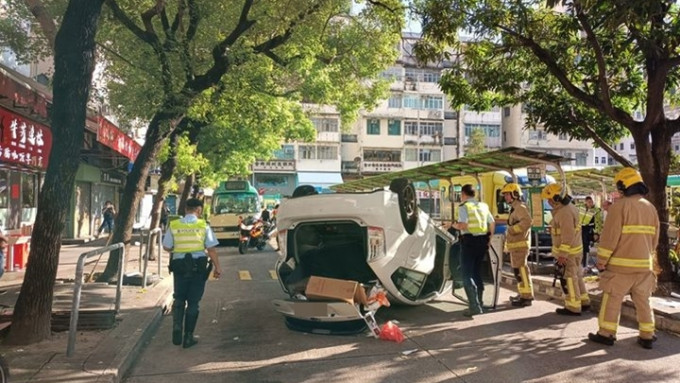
x=108, y=134
x=23, y=141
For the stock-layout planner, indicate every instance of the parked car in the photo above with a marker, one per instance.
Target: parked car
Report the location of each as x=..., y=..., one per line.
x=374, y=238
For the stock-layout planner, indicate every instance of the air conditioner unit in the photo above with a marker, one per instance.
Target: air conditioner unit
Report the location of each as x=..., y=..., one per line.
x=434, y=114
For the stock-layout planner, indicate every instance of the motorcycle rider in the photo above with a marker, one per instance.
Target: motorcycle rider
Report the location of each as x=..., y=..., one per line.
x=517, y=241
x=567, y=248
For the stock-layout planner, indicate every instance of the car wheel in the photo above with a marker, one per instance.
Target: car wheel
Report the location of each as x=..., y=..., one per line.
x=260, y=246
x=408, y=204
x=242, y=247
x=4, y=370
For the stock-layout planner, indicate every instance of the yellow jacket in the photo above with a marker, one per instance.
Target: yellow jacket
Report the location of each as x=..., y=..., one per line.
x=566, y=231
x=519, y=228
x=630, y=236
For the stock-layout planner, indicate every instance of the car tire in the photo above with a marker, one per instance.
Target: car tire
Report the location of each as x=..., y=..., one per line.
x=4, y=370
x=408, y=203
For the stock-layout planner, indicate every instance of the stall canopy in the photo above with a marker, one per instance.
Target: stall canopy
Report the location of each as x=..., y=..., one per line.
x=503, y=159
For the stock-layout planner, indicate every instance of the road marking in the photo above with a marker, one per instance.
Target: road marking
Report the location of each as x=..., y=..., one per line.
x=272, y=273
x=244, y=275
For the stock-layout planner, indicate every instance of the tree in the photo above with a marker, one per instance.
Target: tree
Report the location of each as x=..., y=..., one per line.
x=477, y=143
x=583, y=68
x=311, y=46
x=74, y=51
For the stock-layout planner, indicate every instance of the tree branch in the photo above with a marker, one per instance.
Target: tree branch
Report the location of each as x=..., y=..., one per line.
x=241, y=27
x=129, y=24
x=148, y=15
x=181, y=7
x=194, y=19
x=546, y=58
x=599, y=57
x=47, y=25
x=571, y=116
x=277, y=41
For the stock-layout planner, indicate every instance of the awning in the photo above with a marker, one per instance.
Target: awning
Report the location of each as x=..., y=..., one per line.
x=319, y=179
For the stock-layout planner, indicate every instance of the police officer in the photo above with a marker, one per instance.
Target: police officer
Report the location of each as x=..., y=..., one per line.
x=517, y=242
x=591, y=220
x=476, y=225
x=567, y=248
x=625, y=259
x=189, y=238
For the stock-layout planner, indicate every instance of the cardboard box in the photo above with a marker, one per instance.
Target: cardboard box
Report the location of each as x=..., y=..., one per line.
x=330, y=289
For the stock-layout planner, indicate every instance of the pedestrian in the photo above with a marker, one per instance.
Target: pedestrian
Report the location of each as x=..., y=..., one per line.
x=108, y=214
x=476, y=225
x=188, y=239
x=517, y=241
x=590, y=217
x=567, y=248
x=165, y=215
x=4, y=245
x=625, y=260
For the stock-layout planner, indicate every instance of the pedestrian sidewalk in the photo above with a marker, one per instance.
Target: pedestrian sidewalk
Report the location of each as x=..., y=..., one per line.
x=99, y=355
x=666, y=310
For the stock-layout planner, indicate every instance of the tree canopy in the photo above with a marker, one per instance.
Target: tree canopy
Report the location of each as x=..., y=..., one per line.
x=595, y=70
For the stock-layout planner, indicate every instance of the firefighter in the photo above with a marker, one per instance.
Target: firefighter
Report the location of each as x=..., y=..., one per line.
x=567, y=248
x=625, y=259
x=517, y=241
x=591, y=219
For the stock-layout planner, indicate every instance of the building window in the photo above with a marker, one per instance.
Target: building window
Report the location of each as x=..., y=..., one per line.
x=327, y=153
x=632, y=146
x=411, y=101
x=307, y=152
x=349, y=138
x=428, y=128
x=433, y=102
x=323, y=125
x=505, y=136
x=506, y=112
x=677, y=148
x=394, y=127
x=604, y=160
x=621, y=146
x=411, y=128
x=488, y=129
x=393, y=73
x=562, y=136
x=410, y=154
x=430, y=155
x=394, y=101
x=537, y=135
x=597, y=160
x=373, y=126
x=581, y=159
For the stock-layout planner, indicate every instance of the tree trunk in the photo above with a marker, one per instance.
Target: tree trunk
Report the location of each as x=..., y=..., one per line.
x=74, y=60
x=167, y=170
x=654, y=162
x=186, y=193
x=133, y=192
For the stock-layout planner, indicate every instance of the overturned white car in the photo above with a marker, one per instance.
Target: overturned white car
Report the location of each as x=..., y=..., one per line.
x=374, y=238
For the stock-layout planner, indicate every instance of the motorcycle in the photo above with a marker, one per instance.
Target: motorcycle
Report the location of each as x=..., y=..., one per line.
x=253, y=232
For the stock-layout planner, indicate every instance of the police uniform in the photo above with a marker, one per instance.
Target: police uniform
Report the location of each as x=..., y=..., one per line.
x=625, y=254
x=475, y=243
x=188, y=238
x=518, y=242
x=565, y=231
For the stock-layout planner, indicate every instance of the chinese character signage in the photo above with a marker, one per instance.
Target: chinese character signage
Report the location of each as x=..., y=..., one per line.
x=109, y=135
x=23, y=141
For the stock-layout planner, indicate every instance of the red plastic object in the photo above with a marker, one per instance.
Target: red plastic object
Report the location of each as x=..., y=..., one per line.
x=392, y=332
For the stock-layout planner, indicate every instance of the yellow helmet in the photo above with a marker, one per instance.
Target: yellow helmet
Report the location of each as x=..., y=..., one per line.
x=550, y=191
x=627, y=178
x=512, y=188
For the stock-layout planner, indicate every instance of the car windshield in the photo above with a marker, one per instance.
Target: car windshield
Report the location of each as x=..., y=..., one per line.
x=236, y=203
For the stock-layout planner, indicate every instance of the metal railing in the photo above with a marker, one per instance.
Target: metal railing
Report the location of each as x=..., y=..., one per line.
x=77, y=289
x=159, y=249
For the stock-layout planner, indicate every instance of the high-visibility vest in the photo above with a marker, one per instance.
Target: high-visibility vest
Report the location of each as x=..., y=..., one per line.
x=477, y=213
x=586, y=215
x=188, y=237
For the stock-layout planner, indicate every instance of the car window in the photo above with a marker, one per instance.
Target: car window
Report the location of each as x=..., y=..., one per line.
x=408, y=282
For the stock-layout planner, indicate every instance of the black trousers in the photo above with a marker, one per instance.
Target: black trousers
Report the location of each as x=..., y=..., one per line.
x=189, y=288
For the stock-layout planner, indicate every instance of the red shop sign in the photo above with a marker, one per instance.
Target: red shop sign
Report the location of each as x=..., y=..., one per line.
x=109, y=135
x=24, y=141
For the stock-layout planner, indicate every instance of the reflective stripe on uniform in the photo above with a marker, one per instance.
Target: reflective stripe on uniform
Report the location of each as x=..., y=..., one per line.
x=646, y=327
x=631, y=262
x=638, y=229
x=604, y=253
x=571, y=250
x=518, y=245
x=610, y=326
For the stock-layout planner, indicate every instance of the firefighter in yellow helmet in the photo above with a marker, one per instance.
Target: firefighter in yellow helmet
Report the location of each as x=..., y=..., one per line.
x=625, y=259
x=517, y=241
x=567, y=248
